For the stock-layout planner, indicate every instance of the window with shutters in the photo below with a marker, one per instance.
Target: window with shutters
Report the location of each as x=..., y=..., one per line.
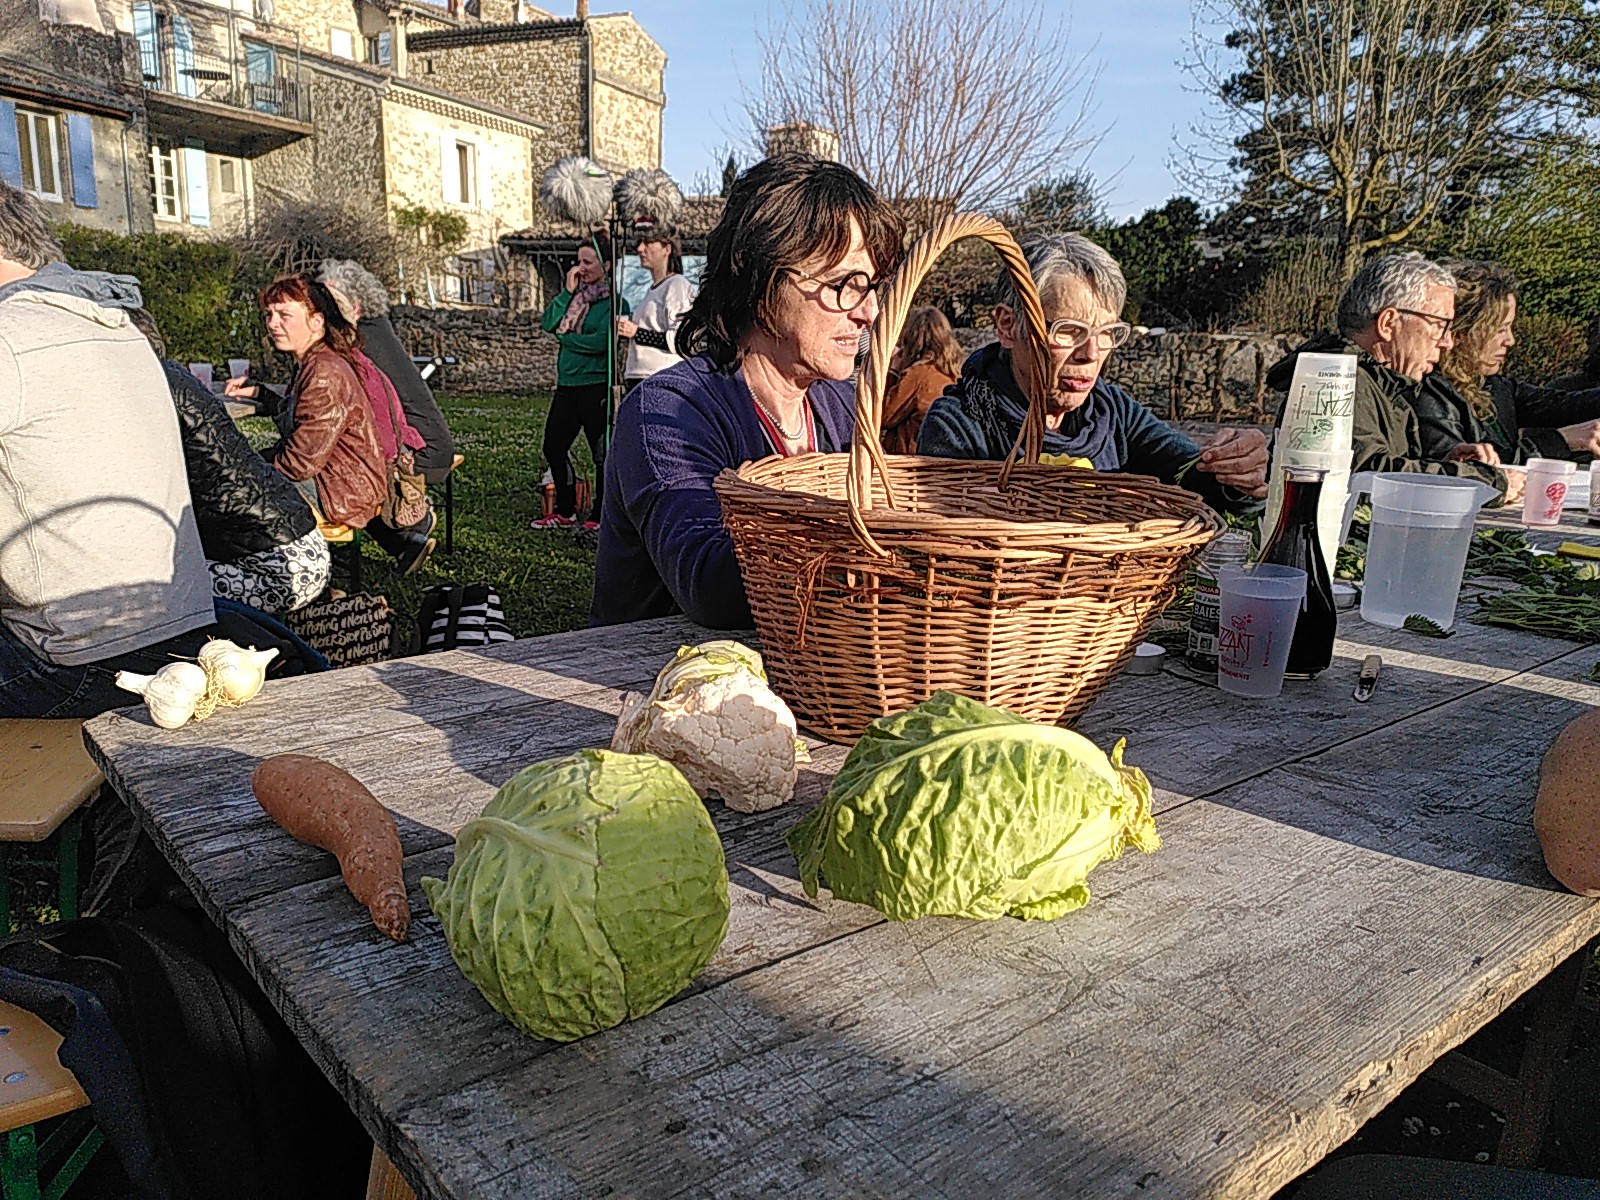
x=39, y=143
x=379, y=49
x=164, y=183
x=461, y=172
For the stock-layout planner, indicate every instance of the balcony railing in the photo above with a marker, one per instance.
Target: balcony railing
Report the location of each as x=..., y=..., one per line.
x=211, y=59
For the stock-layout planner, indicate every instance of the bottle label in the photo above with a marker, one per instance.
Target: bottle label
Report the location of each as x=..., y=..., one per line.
x=1201, y=652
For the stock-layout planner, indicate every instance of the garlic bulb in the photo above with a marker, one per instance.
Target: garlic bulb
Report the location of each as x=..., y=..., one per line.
x=172, y=694
x=235, y=672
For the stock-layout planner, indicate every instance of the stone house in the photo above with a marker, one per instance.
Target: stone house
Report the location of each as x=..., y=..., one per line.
x=201, y=116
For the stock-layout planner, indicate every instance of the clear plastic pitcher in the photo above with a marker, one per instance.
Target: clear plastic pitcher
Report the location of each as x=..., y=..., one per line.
x=1417, y=549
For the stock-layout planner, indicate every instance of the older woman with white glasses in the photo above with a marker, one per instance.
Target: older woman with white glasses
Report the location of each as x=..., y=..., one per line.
x=1088, y=421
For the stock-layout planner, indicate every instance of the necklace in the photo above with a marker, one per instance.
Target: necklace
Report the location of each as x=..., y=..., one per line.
x=777, y=424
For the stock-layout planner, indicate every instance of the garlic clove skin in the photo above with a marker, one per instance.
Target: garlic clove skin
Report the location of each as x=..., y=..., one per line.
x=238, y=673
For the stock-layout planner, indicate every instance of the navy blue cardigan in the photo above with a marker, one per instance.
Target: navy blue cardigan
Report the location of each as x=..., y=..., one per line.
x=663, y=547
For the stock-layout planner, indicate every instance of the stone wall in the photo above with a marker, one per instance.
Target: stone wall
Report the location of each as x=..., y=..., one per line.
x=496, y=354
x=1213, y=377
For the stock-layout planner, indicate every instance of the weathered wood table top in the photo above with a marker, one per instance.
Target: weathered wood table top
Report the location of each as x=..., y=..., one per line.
x=1346, y=891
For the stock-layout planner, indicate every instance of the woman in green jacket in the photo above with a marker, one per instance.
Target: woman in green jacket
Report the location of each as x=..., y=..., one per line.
x=580, y=317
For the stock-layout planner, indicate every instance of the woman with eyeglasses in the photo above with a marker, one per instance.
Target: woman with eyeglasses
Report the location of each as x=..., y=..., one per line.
x=790, y=284
x=1468, y=408
x=1087, y=419
x=653, y=329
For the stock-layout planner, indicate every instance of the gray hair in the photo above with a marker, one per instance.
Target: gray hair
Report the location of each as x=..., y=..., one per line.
x=1393, y=281
x=25, y=235
x=1063, y=258
x=349, y=280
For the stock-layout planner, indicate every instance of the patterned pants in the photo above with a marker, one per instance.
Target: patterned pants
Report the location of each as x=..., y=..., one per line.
x=278, y=580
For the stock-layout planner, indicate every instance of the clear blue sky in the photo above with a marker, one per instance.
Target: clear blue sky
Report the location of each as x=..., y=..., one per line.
x=1143, y=99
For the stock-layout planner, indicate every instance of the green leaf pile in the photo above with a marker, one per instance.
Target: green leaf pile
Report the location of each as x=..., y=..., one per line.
x=959, y=809
x=591, y=890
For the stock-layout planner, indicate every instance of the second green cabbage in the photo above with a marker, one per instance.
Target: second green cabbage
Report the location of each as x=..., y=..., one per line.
x=958, y=809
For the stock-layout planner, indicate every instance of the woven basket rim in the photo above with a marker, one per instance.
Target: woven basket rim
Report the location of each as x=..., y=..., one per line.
x=1184, y=525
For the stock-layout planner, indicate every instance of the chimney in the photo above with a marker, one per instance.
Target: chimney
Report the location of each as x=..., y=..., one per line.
x=583, y=10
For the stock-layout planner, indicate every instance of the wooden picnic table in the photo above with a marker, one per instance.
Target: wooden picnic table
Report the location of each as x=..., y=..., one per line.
x=1346, y=891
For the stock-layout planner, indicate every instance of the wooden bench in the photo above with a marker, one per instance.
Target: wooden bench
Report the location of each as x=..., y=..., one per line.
x=35, y=1087
x=45, y=777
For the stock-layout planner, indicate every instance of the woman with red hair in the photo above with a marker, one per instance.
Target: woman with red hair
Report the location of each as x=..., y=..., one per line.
x=331, y=444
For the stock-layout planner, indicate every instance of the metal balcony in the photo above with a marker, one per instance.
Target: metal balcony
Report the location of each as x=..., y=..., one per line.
x=207, y=79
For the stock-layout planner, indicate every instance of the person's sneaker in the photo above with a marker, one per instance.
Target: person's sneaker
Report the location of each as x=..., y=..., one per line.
x=591, y=526
x=416, y=554
x=553, y=521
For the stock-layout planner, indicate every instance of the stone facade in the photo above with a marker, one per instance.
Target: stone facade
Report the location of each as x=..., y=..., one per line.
x=343, y=160
x=541, y=68
x=419, y=127
x=542, y=76
x=497, y=351
x=65, y=59
x=1206, y=377
x=629, y=78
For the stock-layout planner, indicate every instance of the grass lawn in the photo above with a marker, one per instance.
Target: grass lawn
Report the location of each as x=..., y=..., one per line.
x=544, y=578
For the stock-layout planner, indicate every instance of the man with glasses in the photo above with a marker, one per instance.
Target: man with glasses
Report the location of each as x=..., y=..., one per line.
x=1088, y=421
x=1396, y=316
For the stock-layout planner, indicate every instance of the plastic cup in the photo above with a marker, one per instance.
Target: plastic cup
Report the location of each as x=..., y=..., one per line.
x=202, y=372
x=1259, y=606
x=1546, y=490
x=238, y=368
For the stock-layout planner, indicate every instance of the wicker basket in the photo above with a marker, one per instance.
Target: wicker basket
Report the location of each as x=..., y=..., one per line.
x=876, y=580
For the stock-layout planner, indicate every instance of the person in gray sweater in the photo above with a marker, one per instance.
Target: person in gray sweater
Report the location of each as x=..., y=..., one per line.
x=101, y=567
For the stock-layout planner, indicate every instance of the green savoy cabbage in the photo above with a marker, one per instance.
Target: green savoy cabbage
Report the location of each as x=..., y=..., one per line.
x=591, y=890
x=958, y=809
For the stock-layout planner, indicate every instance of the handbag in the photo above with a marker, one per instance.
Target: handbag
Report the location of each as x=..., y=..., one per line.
x=452, y=615
x=349, y=631
x=405, y=492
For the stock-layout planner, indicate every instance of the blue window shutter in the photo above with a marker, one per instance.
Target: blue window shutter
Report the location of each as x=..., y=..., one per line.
x=183, y=57
x=10, y=151
x=80, y=145
x=144, y=29
x=196, y=186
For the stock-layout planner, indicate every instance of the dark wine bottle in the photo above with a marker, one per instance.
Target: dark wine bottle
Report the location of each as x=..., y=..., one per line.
x=1294, y=543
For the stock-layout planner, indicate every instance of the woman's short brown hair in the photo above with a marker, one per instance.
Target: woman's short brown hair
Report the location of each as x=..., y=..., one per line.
x=1484, y=291
x=926, y=337
x=784, y=211
x=300, y=288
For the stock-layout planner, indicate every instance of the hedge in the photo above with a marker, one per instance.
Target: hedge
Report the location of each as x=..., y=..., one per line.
x=188, y=288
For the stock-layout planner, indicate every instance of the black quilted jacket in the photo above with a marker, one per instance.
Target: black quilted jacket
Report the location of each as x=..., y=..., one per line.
x=241, y=504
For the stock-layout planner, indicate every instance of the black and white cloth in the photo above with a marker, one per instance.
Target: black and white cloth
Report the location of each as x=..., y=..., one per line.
x=277, y=580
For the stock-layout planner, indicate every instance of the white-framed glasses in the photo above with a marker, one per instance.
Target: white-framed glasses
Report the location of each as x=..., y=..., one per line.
x=1069, y=335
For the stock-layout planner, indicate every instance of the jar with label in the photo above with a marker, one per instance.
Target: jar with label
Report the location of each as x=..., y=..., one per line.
x=1232, y=549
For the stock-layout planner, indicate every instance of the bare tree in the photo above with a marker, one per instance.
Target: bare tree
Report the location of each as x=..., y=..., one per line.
x=939, y=103
x=1366, y=121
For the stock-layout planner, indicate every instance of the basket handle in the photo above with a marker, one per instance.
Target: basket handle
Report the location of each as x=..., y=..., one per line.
x=866, y=448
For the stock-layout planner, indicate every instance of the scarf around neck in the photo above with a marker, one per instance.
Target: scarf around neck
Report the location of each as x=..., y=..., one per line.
x=572, y=320
x=989, y=393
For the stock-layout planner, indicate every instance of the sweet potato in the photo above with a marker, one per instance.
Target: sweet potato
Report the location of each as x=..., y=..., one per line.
x=1566, y=816
x=325, y=807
